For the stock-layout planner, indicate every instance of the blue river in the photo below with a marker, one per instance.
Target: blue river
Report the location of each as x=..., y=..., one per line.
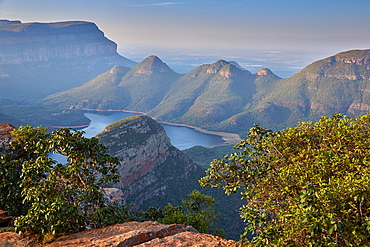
x=181, y=137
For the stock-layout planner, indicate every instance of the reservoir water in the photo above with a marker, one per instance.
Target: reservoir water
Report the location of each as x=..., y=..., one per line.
x=181, y=137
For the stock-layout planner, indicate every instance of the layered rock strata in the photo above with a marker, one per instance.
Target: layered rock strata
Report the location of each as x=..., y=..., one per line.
x=150, y=166
x=40, y=42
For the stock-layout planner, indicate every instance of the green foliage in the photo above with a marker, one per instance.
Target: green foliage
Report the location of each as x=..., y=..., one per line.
x=197, y=212
x=201, y=96
x=115, y=213
x=174, y=215
x=139, y=89
x=59, y=198
x=307, y=185
x=153, y=214
x=11, y=200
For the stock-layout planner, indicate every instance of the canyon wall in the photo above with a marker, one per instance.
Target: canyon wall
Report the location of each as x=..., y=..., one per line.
x=39, y=42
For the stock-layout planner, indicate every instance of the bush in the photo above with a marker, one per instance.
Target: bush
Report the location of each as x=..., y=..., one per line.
x=307, y=185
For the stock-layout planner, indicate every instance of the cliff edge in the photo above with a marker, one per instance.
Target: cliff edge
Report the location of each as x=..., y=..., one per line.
x=153, y=172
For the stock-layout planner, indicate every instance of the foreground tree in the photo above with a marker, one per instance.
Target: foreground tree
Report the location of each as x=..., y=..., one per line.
x=57, y=198
x=308, y=185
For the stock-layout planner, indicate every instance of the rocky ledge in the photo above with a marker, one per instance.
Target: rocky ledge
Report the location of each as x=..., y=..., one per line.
x=149, y=233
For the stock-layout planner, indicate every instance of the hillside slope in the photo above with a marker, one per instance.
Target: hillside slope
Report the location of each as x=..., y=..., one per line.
x=207, y=95
x=139, y=89
x=339, y=83
x=222, y=96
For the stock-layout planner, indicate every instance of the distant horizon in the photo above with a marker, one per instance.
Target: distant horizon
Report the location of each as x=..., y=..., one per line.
x=283, y=63
x=183, y=60
x=297, y=32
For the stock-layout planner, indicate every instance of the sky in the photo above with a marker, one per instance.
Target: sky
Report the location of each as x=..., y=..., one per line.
x=284, y=35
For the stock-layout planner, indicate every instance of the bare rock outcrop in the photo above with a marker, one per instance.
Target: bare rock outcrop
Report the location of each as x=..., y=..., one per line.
x=126, y=234
x=264, y=71
x=190, y=239
x=149, y=233
x=12, y=239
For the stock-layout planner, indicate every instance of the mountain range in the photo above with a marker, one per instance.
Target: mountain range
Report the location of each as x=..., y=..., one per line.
x=73, y=65
x=223, y=96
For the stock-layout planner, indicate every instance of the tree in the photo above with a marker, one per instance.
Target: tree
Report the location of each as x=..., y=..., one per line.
x=197, y=212
x=58, y=198
x=308, y=185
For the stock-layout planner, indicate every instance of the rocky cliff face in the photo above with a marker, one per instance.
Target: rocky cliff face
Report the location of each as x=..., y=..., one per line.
x=38, y=59
x=152, y=172
x=39, y=42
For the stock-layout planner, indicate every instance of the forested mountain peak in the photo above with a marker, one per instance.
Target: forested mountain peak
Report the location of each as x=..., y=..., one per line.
x=151, y=64
x=359, y=57
x=216, y=66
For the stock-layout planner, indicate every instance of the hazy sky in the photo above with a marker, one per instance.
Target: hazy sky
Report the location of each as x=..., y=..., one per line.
x=317, y=27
